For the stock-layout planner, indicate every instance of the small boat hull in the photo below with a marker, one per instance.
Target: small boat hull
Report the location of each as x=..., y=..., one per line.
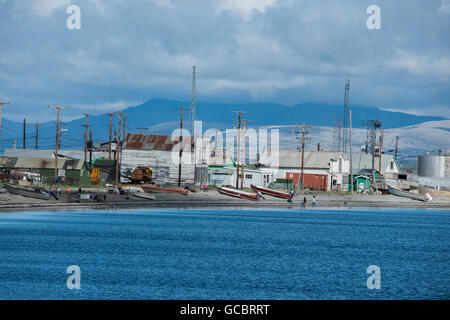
x=237, y=193
x=406, y=194
x=143, y=195
x=272, y=192
x=165, y=190
x=28, y=192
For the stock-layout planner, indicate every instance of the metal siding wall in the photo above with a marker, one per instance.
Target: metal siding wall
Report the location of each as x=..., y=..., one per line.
x=154, y=159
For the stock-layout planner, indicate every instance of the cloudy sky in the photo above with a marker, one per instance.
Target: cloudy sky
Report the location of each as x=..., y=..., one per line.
x=283, y=51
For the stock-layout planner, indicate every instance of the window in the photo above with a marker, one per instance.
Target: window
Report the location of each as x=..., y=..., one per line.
x=392, y=165
x=248, y=176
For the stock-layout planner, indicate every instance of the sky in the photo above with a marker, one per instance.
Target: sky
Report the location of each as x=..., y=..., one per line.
x=280, y=51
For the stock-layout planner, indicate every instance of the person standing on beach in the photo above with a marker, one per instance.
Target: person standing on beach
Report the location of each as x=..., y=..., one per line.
x=313, y=201
x=304, y=202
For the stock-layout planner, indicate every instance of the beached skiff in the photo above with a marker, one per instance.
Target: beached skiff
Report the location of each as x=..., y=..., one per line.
x=272, y=192
x=237, y=193
x=28, y=192
x=406, y=194
x=165, y=190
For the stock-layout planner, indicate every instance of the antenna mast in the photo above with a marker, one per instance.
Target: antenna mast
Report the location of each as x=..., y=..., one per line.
x=346, y=124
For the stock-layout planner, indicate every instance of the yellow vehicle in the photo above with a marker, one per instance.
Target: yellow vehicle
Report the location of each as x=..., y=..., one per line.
x=95, y=175
x=141, y=175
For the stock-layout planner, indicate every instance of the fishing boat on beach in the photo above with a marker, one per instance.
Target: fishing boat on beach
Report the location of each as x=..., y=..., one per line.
x=237, y=193
x=271, y=192
x=165, y=190
x=406, y=194
x=36, y=193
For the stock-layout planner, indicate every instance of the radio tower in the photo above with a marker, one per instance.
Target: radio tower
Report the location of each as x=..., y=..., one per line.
x=193, y=101
x=346, y=124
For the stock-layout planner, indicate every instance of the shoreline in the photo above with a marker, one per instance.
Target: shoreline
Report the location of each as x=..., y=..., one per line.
x=208, y=200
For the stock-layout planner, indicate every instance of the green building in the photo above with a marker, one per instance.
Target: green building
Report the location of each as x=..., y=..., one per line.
x=74, y=171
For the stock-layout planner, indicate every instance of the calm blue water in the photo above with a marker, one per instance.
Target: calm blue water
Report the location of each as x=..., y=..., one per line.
x=225, y=254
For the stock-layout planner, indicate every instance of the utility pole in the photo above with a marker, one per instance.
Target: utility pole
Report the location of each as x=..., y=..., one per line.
x=85, y=136
x=396, y=147
x=239, y=144
x=301, y=131
x=380, y=151
x=118, y=150
x=58, y=108
x=303, y=126
x=142, y=129
x=24, y=133
x=181, y=142
x=60, y=134
x=1, y=105
x=193, y=107
x=243, y=157
x=115, y=139
x=351, y=152
x=110, y=133
x=345, y=136
x=373, y=166
x=125, y=115
x=37, y=134
x=91, y=145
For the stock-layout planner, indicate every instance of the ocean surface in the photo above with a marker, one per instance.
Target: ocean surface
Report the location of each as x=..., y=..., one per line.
x=226, y=254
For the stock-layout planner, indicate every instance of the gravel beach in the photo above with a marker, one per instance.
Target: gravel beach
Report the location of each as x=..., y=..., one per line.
x=212, y=198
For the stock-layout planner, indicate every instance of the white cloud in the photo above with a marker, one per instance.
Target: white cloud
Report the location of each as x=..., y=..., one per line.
x=163, y=3
x=445, y=6
x=106, y=106
x=45, y=8
x=420, y=64
x=246, y=8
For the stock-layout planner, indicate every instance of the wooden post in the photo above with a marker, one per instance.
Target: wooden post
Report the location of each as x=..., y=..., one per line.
x=243, y=155
x=90, y=149
x=118, y=150
x=37, y=134
x=351, y=152
x=110, y=134
x=85, y=136
x=380, y=151
x=24, y=133
x=396, y=147
x=238, y=153
x=181, y=143
x=57, y=107
x=303, y=132
x=243, y=158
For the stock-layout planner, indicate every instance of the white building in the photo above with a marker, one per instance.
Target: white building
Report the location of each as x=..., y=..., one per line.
x=223, y=176
x=389, y=166
x=161, y=154
x=323, y=170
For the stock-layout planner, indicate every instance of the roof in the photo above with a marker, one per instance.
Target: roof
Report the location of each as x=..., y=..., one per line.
x=361, y=160
x=313, y=159
x=29, y=153
x=48, y=154
x=138, y=141
x=104, y=162
x=41, y=163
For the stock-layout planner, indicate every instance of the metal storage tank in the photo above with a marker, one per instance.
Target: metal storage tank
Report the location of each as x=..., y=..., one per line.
x=433, y=166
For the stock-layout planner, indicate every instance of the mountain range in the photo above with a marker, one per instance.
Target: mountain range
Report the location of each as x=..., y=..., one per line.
x=160, y=117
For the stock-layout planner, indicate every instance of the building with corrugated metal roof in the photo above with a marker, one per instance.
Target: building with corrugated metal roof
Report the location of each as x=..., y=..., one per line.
x=161, y=154
x=74, y=171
